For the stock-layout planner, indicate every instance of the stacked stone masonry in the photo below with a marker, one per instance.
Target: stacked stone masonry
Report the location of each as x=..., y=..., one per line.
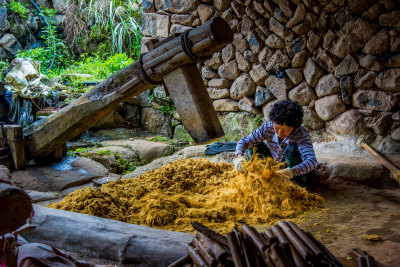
x=339, y=59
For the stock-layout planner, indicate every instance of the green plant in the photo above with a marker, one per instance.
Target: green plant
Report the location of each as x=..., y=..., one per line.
x=18, y=8
x=126, y=166
x=159, y=138
x=104, y=152
x=167, y=108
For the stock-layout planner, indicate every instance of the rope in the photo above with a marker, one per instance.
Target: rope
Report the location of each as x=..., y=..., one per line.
x=186, y=47
x=143, y=72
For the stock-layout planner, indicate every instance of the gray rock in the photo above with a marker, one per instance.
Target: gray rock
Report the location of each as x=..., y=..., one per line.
x=225, y=105
x=295, y=75
x=208, y=73
x=364, y=79
x=303, y=94
x=298, y=16
x=311, y=120
x=371, y=62
x=395, y=135
x=360, y=31
x=346, y=67
x=274, y=41
x=390, y=19
x=276, y=27
x=60, y=5
x=327, y=85
x=177, y=6
x=259, y=7
x=228, y=53
x=278, y=87
x=382, y=124
x=154, y=121
x=250, y=56
x=328, y=38
x=3, y=55
x=243, y=64
x=378, y=45
x=301, y=29
x=148, y=6
x=312, y=72
x=350, y=123
x=216, y=93
x=263, y=26
x=396, y=116
x=37, y=196
x=296, y=46
x=110, y=178
x=221, y=5
x=238, y=124
x=343, y=16
x=245, y=106
x=359, y=7
x=278, y=14
x=286, y=7
x=132, y=115
x=247, y=25
x=155, y=25
x=259, y=74
x=394, y=61
x=267, y=109
x=233, y=23
x=278, y=60
x=4, y=24
x=343, y=46
x=205, y=12
x=242, y=86
x=229, y=71
x=263, y=96
x=255, y=43
x=238, y=9
x=329, y=107
x=367, y=112
x=10, y=44
x=184, y=19
x=177, y=28
x=111, y=120
x=373, y=12
x=389, y=80
x=346, y=88
x=180, y=133
x=374, y=100
x=214, y=62
x=265, y=55
x=313, y=41
x=219, y=83
x=240, y=42
x=326, y=60
x=300, y=59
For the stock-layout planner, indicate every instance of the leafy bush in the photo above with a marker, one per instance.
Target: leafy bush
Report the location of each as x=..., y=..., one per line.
x=18, y=8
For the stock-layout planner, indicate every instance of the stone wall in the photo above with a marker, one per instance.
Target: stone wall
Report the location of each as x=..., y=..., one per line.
x=339, y=59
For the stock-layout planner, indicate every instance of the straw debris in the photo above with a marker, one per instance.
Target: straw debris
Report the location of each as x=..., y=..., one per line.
x=187, y=190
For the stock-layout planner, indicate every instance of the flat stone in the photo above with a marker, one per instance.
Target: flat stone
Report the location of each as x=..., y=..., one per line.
x=328, y=38
x=374, y=100
x=360, y=31
x=259, y=74
x=240, y=42
x=177, y=28
x=278, y=87
x=155, y=121
x=295, y=75
x=300, y=59
x=247, y=25
x=10, y=44
x=389, y=80
x=276, y=27
x=264, y=55
x=110, y=178
x=214, y=62
x=312, y=72
x=301, y=29
x=208, y=73
x=225, y=105
x=278, y=60
x=242, y=86
x=329, y=107
x=219, y=83
x=326, y=60
x=349, y=123
x=378, y=45
x=216, y=93
x=221, y=5
x=311, y=120
x=296, y=46
x=244, y=106
x=371, y=62
x=274, y=41
x=255, y=42
x=373, y=12
x=382, y=124
x=155, y=25
x=313, y=41
x=327, y=85
x=205, y=12
x=250, y=56
x=238, y=9
x=303, y=94
x=229, y=71
x=37, y=196
x=242, y=63
x=298, y=16
x=259, y=7
x=390, y=19
x=343, y=46
x=394, y=61
x=177, y=6
x=346, y=67
x=280, y=16
x=263, y=96
x=364, y=79
x=228, y=53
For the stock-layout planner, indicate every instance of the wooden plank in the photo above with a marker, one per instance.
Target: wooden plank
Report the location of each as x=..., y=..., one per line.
x=16, y=143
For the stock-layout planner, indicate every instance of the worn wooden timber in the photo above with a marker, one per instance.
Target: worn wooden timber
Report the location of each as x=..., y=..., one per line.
x=15, y=207
x=98, y=237
x=44, y=137
x=16, y=143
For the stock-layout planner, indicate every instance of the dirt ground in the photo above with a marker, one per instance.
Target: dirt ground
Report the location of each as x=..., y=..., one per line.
x=350, y=212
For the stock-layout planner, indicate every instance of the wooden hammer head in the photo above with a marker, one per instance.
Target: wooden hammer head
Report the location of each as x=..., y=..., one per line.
x=194, y=105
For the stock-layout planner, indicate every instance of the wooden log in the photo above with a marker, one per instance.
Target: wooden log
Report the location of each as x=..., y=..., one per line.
x=235, y=249
x=210, y=233
x=3, y=140
x=107, y=239
x=44, y=137
x=16, y=144
x=15, y=207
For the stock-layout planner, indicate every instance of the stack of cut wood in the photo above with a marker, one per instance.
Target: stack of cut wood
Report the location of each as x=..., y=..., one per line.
x=285, y=244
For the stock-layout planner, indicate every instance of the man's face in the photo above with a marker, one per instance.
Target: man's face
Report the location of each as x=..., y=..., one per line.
x=282, y=131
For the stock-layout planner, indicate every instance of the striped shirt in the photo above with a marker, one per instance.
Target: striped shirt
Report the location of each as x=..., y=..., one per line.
x=299, y=136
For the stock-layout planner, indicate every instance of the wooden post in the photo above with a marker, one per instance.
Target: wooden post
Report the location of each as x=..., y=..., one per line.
x=58, y=153
x=16, y=143
x=15, y=207
x=2, y=135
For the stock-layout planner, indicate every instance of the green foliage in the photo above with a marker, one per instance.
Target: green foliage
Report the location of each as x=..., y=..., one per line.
x=159, y=138
x=18, y=8
x=104, y=152
x=126, y=166
x=167, y=108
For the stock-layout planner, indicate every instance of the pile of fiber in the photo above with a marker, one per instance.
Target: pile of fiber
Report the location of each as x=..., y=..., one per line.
x=187, y=190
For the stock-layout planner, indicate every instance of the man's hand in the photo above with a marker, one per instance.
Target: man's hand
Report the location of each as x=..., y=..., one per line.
x=286, y=173
x=238, y=163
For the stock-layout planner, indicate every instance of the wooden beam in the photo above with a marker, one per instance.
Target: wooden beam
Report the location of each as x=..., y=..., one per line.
x=16, y=143
x=44, y=137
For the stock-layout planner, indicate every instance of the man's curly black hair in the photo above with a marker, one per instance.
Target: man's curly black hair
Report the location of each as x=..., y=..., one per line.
x=287, y=112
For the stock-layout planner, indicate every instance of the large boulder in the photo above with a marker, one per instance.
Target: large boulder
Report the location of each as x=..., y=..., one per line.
x=229, y=71
x=312, y=72
x=278, y=87
x=374, y=100
x=311, y=119
x=10, y=44
x=364, y=79
x=329, y=107
x=242, y=86
x=350, y=123
x=327, y=85
x=378, y=45
x=154, y=121
x=346, y=67
x=303, y=94
x=226, y=105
